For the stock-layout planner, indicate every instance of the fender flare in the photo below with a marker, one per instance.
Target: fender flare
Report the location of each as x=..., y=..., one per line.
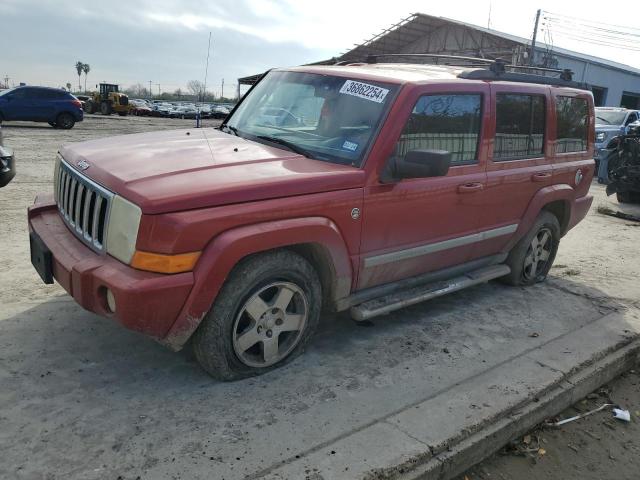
x=224, y=252
x=553, y=193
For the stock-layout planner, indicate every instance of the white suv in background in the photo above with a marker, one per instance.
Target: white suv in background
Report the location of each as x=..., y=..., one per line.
x=610, y=122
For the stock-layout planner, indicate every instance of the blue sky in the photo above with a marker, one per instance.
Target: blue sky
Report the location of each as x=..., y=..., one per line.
x=165, y=41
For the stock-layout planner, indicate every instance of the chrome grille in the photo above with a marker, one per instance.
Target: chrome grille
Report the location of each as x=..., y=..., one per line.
x=84, y=206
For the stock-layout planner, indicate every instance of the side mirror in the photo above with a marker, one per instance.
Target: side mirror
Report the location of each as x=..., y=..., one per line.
x=417, y=164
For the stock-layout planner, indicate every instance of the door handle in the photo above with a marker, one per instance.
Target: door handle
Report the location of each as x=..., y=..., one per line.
x=470, y=187
x=540, y=176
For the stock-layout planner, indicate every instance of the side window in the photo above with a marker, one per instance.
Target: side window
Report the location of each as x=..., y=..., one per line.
x=444, y=122
x=631, y=118
x=519, y=126
x=572, y=128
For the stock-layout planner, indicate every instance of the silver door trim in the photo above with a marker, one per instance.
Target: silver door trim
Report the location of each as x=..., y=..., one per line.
x=420, y=250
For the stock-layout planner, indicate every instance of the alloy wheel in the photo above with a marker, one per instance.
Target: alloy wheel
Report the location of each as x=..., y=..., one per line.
x=270, y=324
x=538, y=254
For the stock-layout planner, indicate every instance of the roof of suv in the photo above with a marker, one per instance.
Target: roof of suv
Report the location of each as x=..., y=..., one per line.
x=418, y=73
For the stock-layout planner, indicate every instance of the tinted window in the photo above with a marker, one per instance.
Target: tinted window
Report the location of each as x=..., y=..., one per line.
x=23, y=93
x=519, y=126
x=572, y=124
x=444, y=122
x=50, y=94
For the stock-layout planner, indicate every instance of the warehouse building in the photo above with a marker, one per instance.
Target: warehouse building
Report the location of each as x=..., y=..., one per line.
x=613, y=84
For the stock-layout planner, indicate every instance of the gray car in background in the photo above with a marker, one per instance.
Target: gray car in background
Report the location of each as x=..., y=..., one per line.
x=610, y=122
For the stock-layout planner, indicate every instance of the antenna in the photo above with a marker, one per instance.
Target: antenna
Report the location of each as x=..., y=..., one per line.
x=206, y=70
x=489, y=19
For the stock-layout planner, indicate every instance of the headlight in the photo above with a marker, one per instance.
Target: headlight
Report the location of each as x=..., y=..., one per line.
x=122, y=231
x=601, y=137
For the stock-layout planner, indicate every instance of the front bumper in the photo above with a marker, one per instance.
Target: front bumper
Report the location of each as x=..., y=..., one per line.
x=145, y=302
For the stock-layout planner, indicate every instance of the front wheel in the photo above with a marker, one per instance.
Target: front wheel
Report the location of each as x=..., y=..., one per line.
x=263, y=316
x=532, y=257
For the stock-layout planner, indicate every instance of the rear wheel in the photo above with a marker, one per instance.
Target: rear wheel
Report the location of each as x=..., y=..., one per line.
x=531, y=258
x=65, y=121
x=263, y=316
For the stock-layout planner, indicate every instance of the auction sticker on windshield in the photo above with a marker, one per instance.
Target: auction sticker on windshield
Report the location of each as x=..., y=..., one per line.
x=364, y=90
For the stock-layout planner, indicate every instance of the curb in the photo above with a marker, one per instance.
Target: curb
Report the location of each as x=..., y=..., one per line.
x=493, y=437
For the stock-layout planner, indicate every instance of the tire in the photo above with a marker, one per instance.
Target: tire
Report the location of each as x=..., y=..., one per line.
x=528, y=270
x=105, y=108
x=65, y=121
x=256, y=284
x=623, y=197
x=89, y=107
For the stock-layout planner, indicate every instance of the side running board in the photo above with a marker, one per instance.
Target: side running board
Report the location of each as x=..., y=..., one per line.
x=398, y=300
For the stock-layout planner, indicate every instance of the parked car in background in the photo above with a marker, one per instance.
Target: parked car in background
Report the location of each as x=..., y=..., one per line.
x=610, y=122
x=83, y=99
x=219, y=111
x=57, y=107
x=186, y=111
x=162, y=109
x=7, y=163
x=404, y=183
x=139, y=108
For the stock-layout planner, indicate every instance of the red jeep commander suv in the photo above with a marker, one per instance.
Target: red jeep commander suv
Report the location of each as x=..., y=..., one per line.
x=367, y=187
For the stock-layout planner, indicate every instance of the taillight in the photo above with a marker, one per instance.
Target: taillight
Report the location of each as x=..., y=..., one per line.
x=77, y=103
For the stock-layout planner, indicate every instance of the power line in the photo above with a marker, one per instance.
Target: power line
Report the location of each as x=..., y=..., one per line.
x=592, y=22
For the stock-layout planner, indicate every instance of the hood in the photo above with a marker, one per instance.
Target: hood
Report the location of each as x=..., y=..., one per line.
x=171, y=171
x=608, y=128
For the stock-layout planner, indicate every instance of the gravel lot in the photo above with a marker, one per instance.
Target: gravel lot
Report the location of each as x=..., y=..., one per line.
x=83, y=398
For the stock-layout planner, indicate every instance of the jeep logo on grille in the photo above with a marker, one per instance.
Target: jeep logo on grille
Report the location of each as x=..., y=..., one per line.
x=83, y=165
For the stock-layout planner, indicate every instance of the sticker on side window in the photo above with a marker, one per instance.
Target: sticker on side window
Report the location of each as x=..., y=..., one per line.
x=364, y=90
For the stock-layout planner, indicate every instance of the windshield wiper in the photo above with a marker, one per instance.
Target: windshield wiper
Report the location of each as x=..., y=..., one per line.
x=234, y=130
x=604, y=120
x=285, y=143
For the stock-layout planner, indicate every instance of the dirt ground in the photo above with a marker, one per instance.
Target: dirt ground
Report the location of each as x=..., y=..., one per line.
x=83, y=398
x=595, y=447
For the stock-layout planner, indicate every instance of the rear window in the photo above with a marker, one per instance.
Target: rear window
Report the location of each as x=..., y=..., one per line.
x=520, y=123
x=444, y=122
x=572, y=124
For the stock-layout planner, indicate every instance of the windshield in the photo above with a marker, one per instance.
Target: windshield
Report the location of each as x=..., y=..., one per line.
x=610, y=117
x=320, y=116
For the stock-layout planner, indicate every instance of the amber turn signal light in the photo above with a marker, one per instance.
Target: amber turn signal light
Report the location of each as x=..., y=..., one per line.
x=157, y=262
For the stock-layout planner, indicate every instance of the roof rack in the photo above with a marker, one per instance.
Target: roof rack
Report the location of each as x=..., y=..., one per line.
x=497, y=70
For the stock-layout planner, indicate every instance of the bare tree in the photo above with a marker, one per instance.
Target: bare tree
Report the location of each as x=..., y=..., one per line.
x=79, y=67
x=86, y=68
x=196, y=87
x=137, y=91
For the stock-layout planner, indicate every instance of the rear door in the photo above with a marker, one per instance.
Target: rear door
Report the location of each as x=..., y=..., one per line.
x=520, y=160
x=420, y=225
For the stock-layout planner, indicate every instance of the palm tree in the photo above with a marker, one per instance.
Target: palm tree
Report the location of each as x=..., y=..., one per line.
x=86, y=68
x=79, y=67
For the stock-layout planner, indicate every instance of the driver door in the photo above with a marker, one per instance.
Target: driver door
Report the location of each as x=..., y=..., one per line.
x=421, y=225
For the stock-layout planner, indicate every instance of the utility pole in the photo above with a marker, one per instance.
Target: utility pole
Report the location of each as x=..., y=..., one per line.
x=150, y=92
x=535, y=36
x=159, y=90
x=222, y=91
x=6, y=81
